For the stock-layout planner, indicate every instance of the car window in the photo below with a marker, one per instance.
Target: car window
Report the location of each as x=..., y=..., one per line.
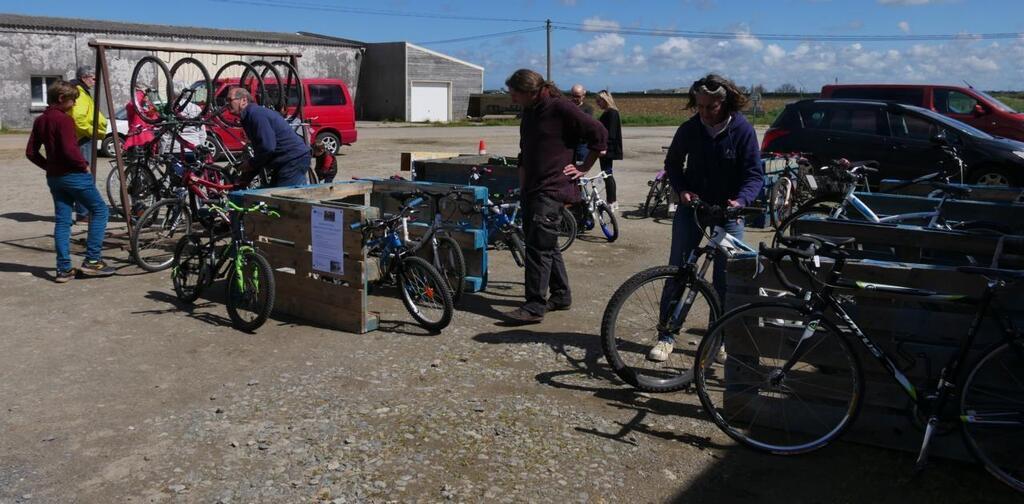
x=293, y=94
x=912, y=127
x=952, y=124
x=948, y=101
x=814, y=119
x=855, y=120
x=326, y=94
x=222, y=96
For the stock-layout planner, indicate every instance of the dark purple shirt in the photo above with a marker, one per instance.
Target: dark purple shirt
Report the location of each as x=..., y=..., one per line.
x=548, y=135
x=55, y=130
x=717, y=169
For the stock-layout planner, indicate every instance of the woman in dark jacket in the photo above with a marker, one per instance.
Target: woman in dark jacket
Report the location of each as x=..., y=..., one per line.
x=719, y=149
x=612, y=123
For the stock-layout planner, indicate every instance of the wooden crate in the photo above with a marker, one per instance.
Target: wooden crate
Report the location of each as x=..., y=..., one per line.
x=335, y=301
x=978, y=193
x=503, y=177
x=1006, y=214
x=921, y=337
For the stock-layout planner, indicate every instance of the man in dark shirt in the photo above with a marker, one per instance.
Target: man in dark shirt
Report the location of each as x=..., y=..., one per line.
x=550, y=129
x=578, y=94
x=67, y=175
x=276, y=145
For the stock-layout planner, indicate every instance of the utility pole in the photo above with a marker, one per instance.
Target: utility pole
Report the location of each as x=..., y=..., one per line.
x=547, y=24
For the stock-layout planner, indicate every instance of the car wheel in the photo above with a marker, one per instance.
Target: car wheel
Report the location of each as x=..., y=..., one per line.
x=210, y=144
x=991, y=176
x=330, y=140
x=107, y=147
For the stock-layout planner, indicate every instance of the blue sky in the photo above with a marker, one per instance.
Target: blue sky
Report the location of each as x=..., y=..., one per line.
x=597, y=41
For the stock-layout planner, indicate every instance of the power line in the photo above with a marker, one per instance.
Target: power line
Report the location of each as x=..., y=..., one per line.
x=576, y=27
x=371, y=12
x=484, y=36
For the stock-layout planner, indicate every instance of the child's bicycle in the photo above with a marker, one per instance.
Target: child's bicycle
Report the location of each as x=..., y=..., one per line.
x=658, y=196
x=200, y=260
x=445, y=254
x=422, y=289
x=593, y=210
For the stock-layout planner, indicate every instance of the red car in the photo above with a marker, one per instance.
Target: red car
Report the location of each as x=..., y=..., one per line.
x=965, y=104
x=328, y=109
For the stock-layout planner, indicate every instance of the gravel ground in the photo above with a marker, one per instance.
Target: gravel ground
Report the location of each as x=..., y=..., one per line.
x=111, y=391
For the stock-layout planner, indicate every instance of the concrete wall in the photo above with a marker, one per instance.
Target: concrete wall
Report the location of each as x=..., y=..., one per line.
x=382, y=83
x=426, y=66
x=23, y=55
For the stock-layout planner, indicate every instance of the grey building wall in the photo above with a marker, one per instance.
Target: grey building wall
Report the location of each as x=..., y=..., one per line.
x=425, y=66
x=52, y=53
x=382, y=83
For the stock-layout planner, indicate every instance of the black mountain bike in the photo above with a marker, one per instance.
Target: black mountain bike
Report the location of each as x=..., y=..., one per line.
x=791, y=382
x=200, y=260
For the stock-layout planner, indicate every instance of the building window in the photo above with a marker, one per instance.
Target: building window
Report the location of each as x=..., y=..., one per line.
x=40, y=85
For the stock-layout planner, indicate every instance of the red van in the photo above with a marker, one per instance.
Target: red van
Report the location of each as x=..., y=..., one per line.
x=328, y=109
x=965, y=104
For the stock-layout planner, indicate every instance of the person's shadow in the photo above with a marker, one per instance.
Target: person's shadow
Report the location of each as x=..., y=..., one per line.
x=27, y=217
x=36, y=271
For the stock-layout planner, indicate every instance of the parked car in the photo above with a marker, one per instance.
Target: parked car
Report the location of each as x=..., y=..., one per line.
x=328, y=108
x=964, y=104
x=107, y=147
x=899, y=137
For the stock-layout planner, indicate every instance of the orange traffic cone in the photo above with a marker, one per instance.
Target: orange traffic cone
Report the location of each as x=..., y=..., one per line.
x=482, y=148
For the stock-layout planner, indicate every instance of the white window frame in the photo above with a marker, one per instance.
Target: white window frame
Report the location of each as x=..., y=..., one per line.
x=43, y=81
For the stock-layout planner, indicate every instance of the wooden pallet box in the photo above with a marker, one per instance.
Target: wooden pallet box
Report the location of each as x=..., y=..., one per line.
x=921, y=337
x=338, y=301
x=503, y=176
x=992, y=194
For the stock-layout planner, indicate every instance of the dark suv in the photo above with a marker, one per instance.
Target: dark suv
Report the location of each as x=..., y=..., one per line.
x=898, y=136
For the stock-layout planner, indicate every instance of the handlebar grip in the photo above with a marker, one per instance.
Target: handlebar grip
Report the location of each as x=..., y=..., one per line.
x=416, y=202
x=355, y=225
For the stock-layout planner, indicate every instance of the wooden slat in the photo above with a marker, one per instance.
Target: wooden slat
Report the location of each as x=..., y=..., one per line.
x=301, y=261
x=978, y=193
x=407, y=158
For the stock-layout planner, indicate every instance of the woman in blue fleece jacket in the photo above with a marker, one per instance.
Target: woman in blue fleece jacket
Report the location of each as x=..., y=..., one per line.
x=718, y=148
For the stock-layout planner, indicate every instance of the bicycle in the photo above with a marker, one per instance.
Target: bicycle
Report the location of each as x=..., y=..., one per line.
x=675, y=300
x=794, y=184
x=791, y=382
x=422, y=289
x=593, y=209
x=660, y=193
x=566, y=230
x=445, y=253
x=250, y=279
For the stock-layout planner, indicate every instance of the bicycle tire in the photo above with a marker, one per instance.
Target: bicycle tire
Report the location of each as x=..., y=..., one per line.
x=249, y=79
x=567, y=230
x=143, y=190
x=158, y=230
x=270, y=99
x=822, y=206
x=833, y=405
x=451, y=264
x=516, y=243
x=417, y=274
x=780, y=201
x=997, y=379
x=207, y=86
x=188, y=271
x=136, y=83
x=625, y=348
x=608, y=223
x=292, y=79
x=257, y=287
x=651, y=202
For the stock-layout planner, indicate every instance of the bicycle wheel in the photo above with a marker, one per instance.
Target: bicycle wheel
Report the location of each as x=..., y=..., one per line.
x=157, y=232
x=191, y=75
x=250, y=290
x=632, y=320
x=189, y=271
x=566, y=230
x=609, y=224
x=753, y=400
x=273, y=91
x=248, y=78
x=425, y=294
x=516, y=244
x=780, y=202
x=451, y=263
x=653, y=195
x=152, y=77
x=821, y=207
x=992, y=412
x=143, y=190
x=292, y=85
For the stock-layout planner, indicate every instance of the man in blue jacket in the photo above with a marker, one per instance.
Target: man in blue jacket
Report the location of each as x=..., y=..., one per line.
x=275, y=143
x=722, y=160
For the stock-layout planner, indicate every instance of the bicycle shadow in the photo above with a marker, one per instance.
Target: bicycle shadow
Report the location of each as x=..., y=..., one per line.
x=36, y=271
x=27, y=217
x=590, y=366
x=192, y=310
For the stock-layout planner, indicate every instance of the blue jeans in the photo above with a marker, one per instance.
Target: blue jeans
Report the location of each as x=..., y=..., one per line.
x=86, y=149
x=295, y=172
x=71, y=189
x=686, y=236
x=580, y=153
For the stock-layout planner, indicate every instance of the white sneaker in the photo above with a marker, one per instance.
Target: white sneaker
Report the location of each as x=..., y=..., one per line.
x=671, y=208
x=615, y=207
x=661, y=351
x=721, y=356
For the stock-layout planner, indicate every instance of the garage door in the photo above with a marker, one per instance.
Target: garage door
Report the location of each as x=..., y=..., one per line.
x=430, y=101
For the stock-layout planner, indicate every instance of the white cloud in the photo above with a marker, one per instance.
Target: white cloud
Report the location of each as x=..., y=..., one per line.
x=773, y=54
x=979, y=64
x=597, y=24
x=749, y=41
x=605, y=50
x=904, y=26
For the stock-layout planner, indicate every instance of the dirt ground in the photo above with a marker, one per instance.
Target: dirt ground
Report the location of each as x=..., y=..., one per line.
x=112, y=391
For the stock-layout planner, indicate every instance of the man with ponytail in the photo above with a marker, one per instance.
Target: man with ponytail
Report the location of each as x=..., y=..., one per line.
x=551, y=128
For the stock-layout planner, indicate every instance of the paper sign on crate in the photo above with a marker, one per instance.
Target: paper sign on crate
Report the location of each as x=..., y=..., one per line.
x=327, y=240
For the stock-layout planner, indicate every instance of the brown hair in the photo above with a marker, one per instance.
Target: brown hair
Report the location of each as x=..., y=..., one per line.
x=607, y=97
x=525, y=80
x=735, y=100
x=60, y=91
